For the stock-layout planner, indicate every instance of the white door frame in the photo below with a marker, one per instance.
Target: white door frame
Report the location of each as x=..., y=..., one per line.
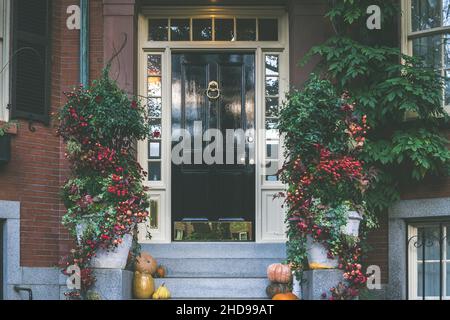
x=265, y=190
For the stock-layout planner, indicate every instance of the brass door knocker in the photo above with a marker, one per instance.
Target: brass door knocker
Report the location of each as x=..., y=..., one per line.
x=213, y=91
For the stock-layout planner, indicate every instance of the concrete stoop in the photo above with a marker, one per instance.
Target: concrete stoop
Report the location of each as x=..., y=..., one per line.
x=216, y=270
x=215, y=288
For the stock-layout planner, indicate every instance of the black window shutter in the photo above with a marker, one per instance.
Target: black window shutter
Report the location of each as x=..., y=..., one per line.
x=31, y=60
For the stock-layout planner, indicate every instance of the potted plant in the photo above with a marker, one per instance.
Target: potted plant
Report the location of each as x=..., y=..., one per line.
x=104, y=195
x=326, y=178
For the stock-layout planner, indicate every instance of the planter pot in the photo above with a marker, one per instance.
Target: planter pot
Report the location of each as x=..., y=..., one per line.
x=113, y=259
x=318, y=256
x=296, y=286
x=5, y=149
x=80, y=230
x=353, y=222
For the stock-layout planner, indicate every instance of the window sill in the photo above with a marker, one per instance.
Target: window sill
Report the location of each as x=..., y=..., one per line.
x=10, y=128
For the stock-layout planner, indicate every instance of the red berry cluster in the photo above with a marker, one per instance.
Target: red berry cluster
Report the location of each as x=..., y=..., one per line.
x=358, y=131
x=337, y=168
x=342, y=292
x=119, y=186
x=308, y=227
x=354, y=274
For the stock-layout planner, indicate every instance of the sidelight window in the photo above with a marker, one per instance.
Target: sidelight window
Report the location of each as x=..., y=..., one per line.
x=272, y=108
x=154, y=103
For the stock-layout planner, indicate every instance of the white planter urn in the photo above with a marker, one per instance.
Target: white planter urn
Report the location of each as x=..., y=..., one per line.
x=318, y=256
x=80, y=228
x=109, y=259
x=296, y=286
x=113, y=259
x=353, y=221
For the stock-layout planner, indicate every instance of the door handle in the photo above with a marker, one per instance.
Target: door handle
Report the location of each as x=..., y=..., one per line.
x=213, y=91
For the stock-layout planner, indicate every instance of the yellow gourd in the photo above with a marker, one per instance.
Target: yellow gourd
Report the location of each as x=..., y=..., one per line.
x=162, y=293
x=143, y=285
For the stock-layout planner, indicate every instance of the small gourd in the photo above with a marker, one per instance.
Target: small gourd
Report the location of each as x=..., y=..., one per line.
x=160, y=272
x=162, y=293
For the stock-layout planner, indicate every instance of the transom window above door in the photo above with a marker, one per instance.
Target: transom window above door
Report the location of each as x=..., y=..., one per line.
x=224, y=28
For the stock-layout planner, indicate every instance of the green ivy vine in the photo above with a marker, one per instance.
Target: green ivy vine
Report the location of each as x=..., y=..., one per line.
x=395, y=101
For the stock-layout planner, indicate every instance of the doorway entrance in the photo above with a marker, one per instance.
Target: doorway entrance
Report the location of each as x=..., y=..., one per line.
x=213, y=102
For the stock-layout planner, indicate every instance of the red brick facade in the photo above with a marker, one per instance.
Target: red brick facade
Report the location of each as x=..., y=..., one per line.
x=37, y=168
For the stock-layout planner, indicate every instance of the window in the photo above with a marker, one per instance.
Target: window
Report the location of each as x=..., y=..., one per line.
x=154, y=213
x=272, y=107
x=154, y=98
x=30, y=65
x=4, y=56
x=429, y=261
x=427, y=30
x=213, y=29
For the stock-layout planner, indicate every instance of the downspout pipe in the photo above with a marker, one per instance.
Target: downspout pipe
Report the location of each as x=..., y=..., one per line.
x=84, y=43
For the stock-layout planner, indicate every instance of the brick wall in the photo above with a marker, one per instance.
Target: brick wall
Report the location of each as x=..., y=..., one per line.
x=377, y=241
x=37, y=168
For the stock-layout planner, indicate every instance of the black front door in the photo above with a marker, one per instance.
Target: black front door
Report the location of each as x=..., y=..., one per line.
x=223, y=192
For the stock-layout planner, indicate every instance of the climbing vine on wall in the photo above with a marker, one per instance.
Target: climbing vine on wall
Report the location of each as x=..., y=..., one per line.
x=394, y=98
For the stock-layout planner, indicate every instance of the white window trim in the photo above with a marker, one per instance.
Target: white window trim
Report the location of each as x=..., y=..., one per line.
x=412, y=263
x=4, y=57
x=407, y=35
x=162, y=189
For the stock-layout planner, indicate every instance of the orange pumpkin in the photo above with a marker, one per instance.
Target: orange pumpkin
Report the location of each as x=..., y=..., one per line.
x=160, y=272
x=285, y=296
x=280, y=273
x=145, y=263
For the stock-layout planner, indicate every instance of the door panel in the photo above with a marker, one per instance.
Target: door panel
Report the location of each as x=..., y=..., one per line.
x=219, y=191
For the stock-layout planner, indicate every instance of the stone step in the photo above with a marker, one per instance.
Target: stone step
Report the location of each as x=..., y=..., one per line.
x=215, y=288
x=216, y=267
x=217, y=250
